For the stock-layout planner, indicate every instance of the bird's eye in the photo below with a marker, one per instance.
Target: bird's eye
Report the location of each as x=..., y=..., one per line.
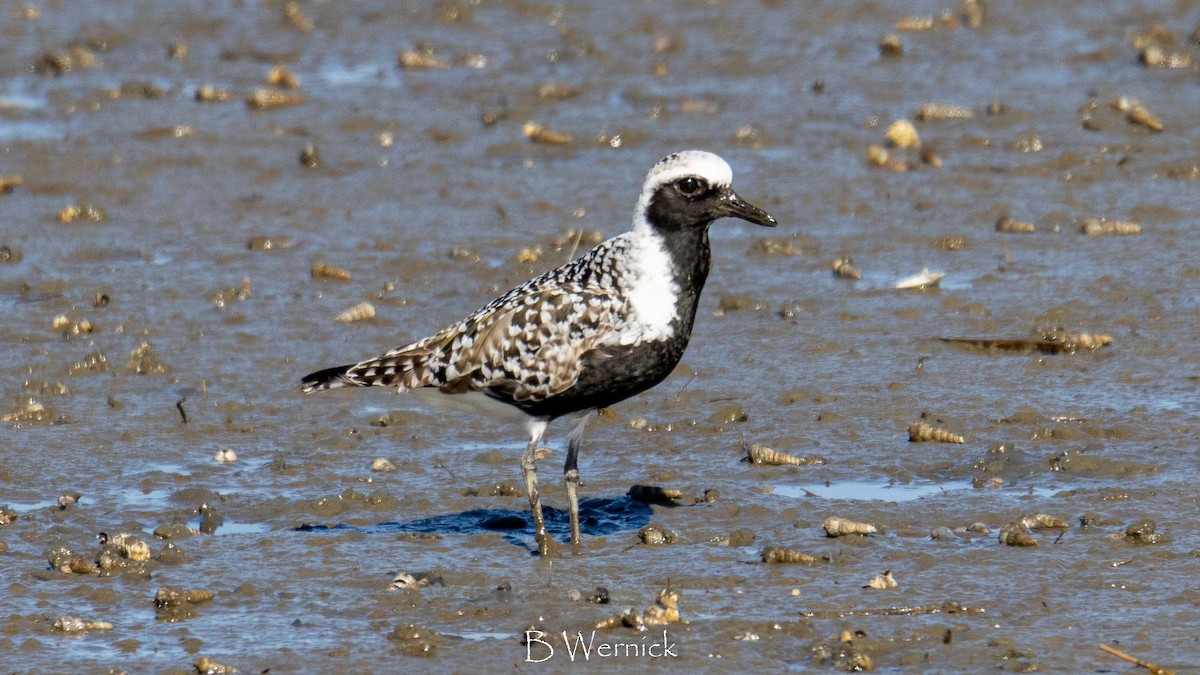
x=691, y=185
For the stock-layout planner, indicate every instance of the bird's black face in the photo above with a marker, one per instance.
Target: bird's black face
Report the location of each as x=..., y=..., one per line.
x=693, y=202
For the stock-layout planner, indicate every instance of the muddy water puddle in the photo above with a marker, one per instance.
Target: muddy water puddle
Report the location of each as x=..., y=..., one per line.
x=156, y=275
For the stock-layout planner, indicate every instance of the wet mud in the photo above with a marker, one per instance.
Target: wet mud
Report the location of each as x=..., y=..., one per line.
x=199, y=206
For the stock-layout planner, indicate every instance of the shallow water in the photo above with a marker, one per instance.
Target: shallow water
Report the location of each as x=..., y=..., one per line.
x=427, y=191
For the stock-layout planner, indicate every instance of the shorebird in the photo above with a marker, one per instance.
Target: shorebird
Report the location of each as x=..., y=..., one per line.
x=596, y=331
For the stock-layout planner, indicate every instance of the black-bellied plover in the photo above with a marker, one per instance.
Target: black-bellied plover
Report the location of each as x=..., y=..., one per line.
x=602, y=328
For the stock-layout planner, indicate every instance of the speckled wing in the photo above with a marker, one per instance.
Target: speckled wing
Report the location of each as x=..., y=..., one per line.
x=528, y=346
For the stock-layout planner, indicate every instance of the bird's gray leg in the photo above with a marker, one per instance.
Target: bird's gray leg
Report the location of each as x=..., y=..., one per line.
x=529, y=474
x=571, y=470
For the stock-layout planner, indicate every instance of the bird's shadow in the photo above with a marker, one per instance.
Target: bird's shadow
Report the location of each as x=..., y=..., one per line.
x=598, y=516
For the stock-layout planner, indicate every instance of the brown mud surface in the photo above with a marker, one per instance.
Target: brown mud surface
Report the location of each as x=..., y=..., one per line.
x=180, y=285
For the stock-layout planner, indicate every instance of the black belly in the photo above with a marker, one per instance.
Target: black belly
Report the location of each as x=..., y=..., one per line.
x=609, y=376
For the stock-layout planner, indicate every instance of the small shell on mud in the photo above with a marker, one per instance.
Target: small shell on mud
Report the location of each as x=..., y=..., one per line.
x=538, y=133
x=420, y=58
x=951, y=243
x=922, y=279
x=882, y=581
x=1142, y=116
x=265, y=99
x=73, y=625
x=359, y=312
x=320, y=270
x=903, y=134
x=836, y=526
x=405, y=581
x=781, y=555
x=1143, y=532
x=232, y=294
x=653, y=494
x=1010, y=224
x=296, y=16
x=282, y=76
x=268, y=243
x=380, y=464
x=28, y=411
x=129, y=546
x=89, y=212
x=9, y=254
x=664, y=610
x=169, y=596
x=1155, y=56
x=920, y=431
x=656, y=535
x=877, y=155
x=208, y=93
x=1070, y=342
x=1017, y=533
x=207, y=666
x=761, y=454
x=143, y=360
x=310, y=156
x=942, y=111
x=891, y=46
x=1094, y=227
x=68, y=499
x=10, y=182
x=225, y=456
x=1042, y=521
x=844, y=268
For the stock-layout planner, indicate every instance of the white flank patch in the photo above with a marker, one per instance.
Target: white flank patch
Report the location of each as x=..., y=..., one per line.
x=650, y=289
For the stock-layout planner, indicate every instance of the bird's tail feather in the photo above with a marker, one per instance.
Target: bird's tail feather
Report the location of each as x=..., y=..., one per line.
x=330, y=378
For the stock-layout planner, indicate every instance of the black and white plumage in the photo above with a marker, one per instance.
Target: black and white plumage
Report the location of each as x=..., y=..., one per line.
x=606, y=326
